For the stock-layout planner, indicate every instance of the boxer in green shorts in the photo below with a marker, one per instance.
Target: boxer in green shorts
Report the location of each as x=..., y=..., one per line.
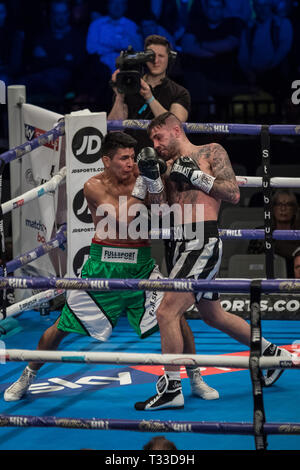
x=96, y=313
x=111, y=256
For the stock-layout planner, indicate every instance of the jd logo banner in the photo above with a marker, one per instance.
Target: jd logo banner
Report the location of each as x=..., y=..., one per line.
x=86, y=145
x=80, y=208
x=79, y=259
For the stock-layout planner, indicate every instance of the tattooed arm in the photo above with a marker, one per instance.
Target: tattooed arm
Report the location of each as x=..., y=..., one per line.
x=225, y=186
x=208, y=169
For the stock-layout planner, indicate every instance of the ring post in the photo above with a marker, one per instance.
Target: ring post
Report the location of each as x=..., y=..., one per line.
x=255, y=371
x=16, y=96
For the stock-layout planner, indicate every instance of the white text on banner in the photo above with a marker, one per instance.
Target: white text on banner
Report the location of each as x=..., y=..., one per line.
x=84, y=134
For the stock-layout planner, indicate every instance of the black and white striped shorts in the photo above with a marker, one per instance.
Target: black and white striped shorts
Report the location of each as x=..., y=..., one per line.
x=197, y=259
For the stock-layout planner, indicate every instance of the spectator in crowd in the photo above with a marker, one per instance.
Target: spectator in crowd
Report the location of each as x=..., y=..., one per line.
x=81, y=15
x=149, y=26
x=264, y=49
x=174, y=15
x=11, y=49
x=282, y=8
x=159, y=443
x=57, y=55
x=291, y=10
x=90, y=89
x=285, y=217
x=156, y=6
x=296, y=257
x=137, y=10
x=31, y=16
x=110, y=34
x=97, y=8
x=210, y=47
x=241, y=9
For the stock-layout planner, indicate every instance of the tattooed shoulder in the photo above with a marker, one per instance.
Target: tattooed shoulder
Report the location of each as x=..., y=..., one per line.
x=202, y=152
x=220, y=161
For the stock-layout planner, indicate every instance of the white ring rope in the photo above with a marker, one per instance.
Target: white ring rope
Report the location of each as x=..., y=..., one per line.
x=35, y=193
x=239, y=362
x=33, y=301
x=275, y=182
x=56, y=180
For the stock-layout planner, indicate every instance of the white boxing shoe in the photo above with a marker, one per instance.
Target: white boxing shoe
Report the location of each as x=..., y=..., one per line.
x=19, y=388
x=199, y=387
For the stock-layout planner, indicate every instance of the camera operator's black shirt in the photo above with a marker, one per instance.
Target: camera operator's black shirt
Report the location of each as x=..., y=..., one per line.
x=167, y=93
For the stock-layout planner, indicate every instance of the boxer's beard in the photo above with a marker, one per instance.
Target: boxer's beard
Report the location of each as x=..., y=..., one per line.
x=173, y=148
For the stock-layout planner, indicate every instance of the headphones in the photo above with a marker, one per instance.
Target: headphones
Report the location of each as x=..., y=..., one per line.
x=296, y=252
x=172, y=58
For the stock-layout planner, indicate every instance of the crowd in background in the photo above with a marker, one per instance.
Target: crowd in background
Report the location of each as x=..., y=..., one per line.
x=66, y=50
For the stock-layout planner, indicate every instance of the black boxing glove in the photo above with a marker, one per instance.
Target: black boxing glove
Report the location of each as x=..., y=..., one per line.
x=147, y=161
x=151, y=167
x=186, y=170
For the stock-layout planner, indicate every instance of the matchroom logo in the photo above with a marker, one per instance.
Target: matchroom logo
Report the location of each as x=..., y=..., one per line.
x=2, y=92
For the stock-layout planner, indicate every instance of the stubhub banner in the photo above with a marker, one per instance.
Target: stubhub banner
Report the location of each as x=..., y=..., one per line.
x=84, y=134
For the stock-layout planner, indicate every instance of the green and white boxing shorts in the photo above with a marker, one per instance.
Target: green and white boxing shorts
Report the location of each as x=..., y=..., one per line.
x=96, y=313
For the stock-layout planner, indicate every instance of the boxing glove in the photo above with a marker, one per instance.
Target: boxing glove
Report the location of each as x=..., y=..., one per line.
x=151, y=167
x=186, y=170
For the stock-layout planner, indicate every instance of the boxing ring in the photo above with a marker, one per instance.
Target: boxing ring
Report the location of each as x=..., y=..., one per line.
x=259, y=428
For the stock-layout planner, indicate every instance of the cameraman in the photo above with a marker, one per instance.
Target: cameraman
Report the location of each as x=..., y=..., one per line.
x=157, y=94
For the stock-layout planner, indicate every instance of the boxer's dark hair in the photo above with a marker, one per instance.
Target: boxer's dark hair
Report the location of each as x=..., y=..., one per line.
x=114, y=141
